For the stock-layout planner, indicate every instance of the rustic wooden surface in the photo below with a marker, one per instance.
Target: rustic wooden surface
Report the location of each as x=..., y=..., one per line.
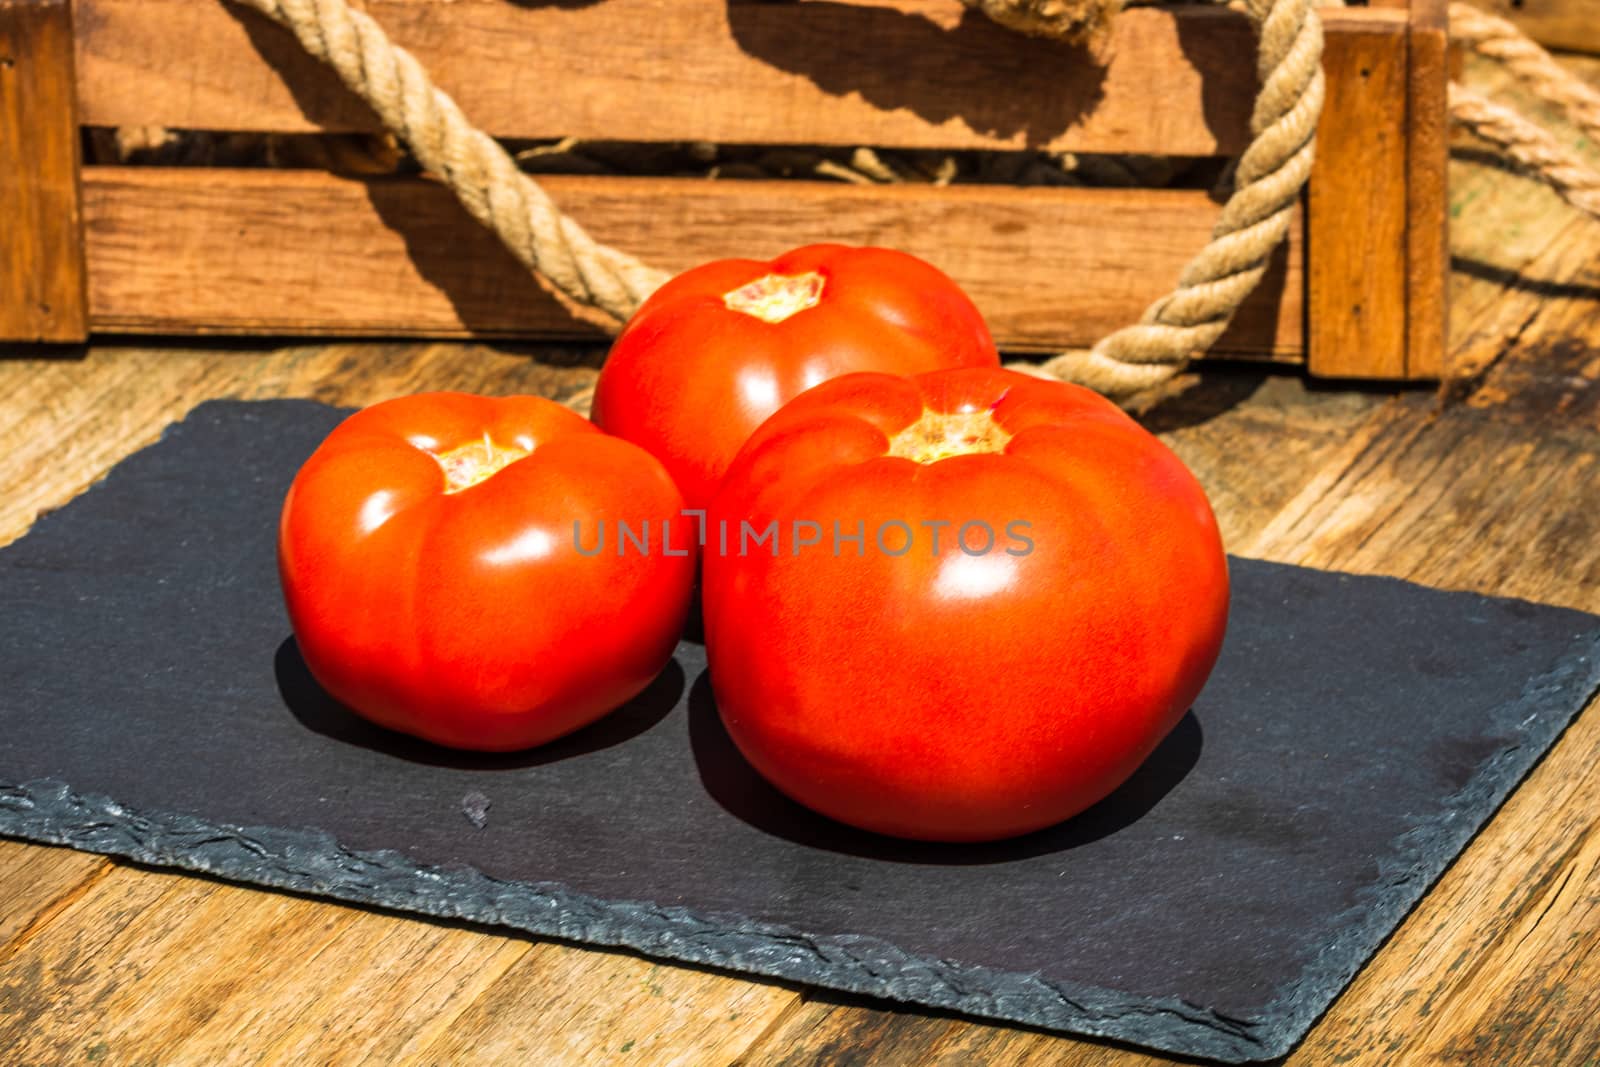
x=41, y=255
x=1489, y=484
x=172, y=247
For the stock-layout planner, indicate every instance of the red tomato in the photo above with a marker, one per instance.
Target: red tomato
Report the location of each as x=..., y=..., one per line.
x=437, y=582
x=719, y=348
x=973, y=680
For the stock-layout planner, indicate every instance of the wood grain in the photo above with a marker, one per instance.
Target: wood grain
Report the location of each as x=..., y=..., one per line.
x=1427, y=189
x=1572, y=25
x=304, y=252
x=915, y=73
x=36, y=882
x=1356, y=226
x=41, y=242
x=599, y=1007
x=222, y=969
x=1550, y=373
x=1167, y=81
x=82, y=416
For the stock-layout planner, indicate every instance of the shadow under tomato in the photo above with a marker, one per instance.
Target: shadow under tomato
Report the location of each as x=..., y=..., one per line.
x=308, y=702
x=734, y=784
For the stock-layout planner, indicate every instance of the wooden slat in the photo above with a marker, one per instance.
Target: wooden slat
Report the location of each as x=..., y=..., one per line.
x=1427, y=189
x=604, y=1007
x=301, y=252
x=41, y=251
x=918, y=73
x=1357, y=224
x=890, y=73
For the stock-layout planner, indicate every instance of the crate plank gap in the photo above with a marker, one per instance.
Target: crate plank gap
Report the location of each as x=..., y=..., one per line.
x=1357, y=291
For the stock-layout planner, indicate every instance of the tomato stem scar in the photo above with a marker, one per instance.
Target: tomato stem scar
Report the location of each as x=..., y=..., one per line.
x=469, y=464
x=775, y=297
x=941, y=434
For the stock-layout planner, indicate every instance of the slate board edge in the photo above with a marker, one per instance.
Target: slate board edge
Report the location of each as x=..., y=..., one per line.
x=313, y=862
x=1430, y=849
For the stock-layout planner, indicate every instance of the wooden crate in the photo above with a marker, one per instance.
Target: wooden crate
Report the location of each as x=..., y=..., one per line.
x=1357, y=291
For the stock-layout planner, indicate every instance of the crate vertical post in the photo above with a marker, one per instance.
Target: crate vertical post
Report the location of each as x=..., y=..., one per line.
x=1377, y=235
x=42, y=283
x=1356, y=202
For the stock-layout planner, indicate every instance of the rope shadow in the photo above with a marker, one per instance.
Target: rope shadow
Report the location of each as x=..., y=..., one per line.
x=317, y=91
x=463, y=260
x=454, y=253
x=996, y=81
x=1510, y=279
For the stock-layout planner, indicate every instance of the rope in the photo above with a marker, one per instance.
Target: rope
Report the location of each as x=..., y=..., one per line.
x=1529, y=146
x=482, y=175
x=1074, y=21
x=1524, y=142
x=1267, y=184
x=1497, y=39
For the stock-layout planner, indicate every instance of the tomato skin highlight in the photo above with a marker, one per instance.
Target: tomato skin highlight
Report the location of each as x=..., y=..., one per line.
x=690, y=378
x=960, y=696
x=470, y=618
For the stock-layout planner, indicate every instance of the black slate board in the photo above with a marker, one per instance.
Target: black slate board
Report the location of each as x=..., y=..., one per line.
x=1356, y=734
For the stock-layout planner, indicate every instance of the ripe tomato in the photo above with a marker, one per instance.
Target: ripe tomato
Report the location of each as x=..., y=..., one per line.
x=719, y=348
x=985, y=600
x=438, y=558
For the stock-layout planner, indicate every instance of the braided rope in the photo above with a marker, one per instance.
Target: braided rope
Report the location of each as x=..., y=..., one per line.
x=1524, y=142
x=1267, y=185
x=480, y=172
x=1498, y=39
x=1530, y=146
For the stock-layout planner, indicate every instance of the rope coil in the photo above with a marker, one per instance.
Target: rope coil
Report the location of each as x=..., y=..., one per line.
x=603, y=284
x=1267, y=184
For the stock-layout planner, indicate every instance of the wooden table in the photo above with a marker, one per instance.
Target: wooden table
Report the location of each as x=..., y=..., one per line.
x=1493, y=485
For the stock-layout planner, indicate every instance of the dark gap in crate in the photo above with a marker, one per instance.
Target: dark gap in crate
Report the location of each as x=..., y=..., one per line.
x=376, y=154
